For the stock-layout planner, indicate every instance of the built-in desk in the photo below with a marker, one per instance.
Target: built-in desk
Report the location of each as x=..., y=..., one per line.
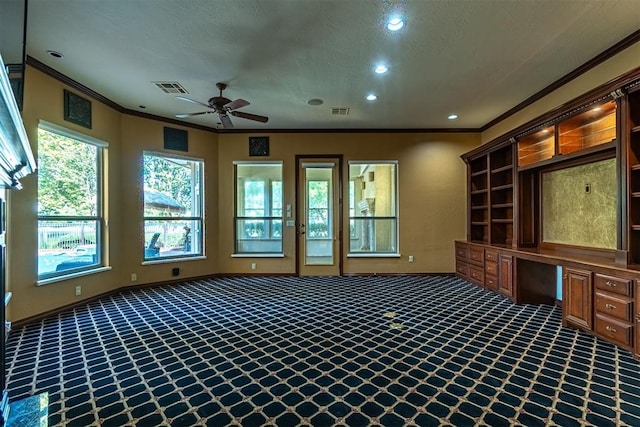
x=599, y=297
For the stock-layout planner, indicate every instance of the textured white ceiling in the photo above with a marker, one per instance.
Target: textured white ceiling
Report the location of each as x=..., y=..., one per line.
x=477, y=58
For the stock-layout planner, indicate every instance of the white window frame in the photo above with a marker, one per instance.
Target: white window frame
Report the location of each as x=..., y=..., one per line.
x=268, y=217
x=80, y=267
x=197, y=217
x=356, y=218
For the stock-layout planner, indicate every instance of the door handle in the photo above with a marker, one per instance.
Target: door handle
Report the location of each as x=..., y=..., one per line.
x=302, y=229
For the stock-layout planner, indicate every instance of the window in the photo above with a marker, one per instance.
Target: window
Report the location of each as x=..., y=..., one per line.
x=173, y=207
x=70, y=200
x=373, y=208
x=258, y=220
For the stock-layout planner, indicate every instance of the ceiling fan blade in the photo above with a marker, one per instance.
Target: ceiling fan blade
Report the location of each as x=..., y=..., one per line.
x=235, y=104
x=226, y=121
x=182, y=116
x=183, y=98
x=249, y=116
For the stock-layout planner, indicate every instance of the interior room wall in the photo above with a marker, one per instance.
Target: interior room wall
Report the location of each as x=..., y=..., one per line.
x=431, y=192
x=139, y=135
x=44, y=101
x=618, y=65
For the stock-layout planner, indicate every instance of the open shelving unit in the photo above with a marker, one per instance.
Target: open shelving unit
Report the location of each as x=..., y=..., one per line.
x=479, y=201
x=501, y=179
x=633, y=162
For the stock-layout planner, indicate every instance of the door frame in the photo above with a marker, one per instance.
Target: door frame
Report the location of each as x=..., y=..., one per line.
x=340, y=160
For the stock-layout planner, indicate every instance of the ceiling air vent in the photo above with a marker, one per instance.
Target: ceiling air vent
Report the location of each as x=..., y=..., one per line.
x=170, y=87
x=340, y=111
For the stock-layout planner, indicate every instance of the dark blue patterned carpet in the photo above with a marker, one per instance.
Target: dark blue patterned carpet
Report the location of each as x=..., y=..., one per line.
x=291, y=351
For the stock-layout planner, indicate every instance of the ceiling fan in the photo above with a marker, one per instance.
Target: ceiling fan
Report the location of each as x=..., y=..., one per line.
x=223, y=106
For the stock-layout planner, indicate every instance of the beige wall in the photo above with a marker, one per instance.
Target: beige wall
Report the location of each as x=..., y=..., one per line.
x=127, y=137
x=431, y=185
x=625, y=61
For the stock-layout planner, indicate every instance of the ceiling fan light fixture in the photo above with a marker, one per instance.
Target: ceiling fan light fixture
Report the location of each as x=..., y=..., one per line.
x=395, y=23
x=315, y=101
x=381, y=69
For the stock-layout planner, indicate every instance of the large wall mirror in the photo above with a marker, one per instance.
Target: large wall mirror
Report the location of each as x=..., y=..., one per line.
x=12, y=43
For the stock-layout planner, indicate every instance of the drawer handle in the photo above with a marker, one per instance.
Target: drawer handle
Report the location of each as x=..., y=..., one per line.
x=610, y=329
x=610, y=284
x=610, y=306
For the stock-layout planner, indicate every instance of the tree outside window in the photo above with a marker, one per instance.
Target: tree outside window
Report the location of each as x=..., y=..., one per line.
x=70, y=213
x=173, y=206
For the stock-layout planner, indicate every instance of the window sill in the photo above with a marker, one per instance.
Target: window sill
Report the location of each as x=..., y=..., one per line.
x=72, y=276
x=257, y=255
x=372, y=255
x=168, y=260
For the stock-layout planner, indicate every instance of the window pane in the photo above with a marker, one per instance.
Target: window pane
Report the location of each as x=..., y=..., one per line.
x=172, y=238
x=373, y=207
x=258, y=195
x=172, y=189
x=67, y=176
x=318, y=194
x=66, y=245
x=374, y=235
x=253, y=236
x=171, y=186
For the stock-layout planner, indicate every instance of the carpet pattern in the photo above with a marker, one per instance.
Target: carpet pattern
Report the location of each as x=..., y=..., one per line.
x=289, y=351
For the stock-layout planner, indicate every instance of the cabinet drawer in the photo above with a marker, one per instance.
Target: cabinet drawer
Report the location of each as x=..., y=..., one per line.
x=476, y=275
x=614, y=306
x=490, y=255
x=462, y=251
x=618, y=332
x=491, y=268
x=491, y=282
x=613, y=284
x=476, y=256
x=462, y=269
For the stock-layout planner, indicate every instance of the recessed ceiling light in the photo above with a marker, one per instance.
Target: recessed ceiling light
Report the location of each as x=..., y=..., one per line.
x=452, y=116
x=381, y=69
x=371, y=97
x=55, y=54
x=315, y=101
x=395, y=23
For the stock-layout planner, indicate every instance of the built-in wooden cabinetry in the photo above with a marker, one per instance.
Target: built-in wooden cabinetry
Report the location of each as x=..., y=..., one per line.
x=577, y=289
x=507, y=249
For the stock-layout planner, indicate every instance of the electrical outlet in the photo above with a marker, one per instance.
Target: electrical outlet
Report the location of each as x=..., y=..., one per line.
x=410, y=258
x=253, y=265
x=78, y=290
x=134, y=277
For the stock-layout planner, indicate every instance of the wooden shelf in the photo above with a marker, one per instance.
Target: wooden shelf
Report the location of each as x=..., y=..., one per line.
x=635, y=194
x=479, y=223
x=635, y=227
x=502, y=221
x=502, y=169
x=635, y=129
x=484, y=190
x=502, y=187
x=475, y=208
x=502, y=205
x=635, y=167
x=482, y=172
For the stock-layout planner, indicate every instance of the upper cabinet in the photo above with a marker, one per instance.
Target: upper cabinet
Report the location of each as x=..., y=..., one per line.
x=592, y=126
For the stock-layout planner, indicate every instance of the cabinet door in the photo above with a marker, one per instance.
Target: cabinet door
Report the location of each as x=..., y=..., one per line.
x=505, y=280
x=636, y=311
x=577, y=305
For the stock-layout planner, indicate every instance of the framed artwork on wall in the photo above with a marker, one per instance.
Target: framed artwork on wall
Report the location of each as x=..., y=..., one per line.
x=258, y=145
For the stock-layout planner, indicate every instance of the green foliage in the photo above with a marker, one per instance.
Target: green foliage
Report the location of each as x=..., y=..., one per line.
x=169, y=176
x=67, y=176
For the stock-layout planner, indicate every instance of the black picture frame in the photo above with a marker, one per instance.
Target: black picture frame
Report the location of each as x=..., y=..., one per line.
x=176, y=139
x=77, y=109
x=259, y=146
